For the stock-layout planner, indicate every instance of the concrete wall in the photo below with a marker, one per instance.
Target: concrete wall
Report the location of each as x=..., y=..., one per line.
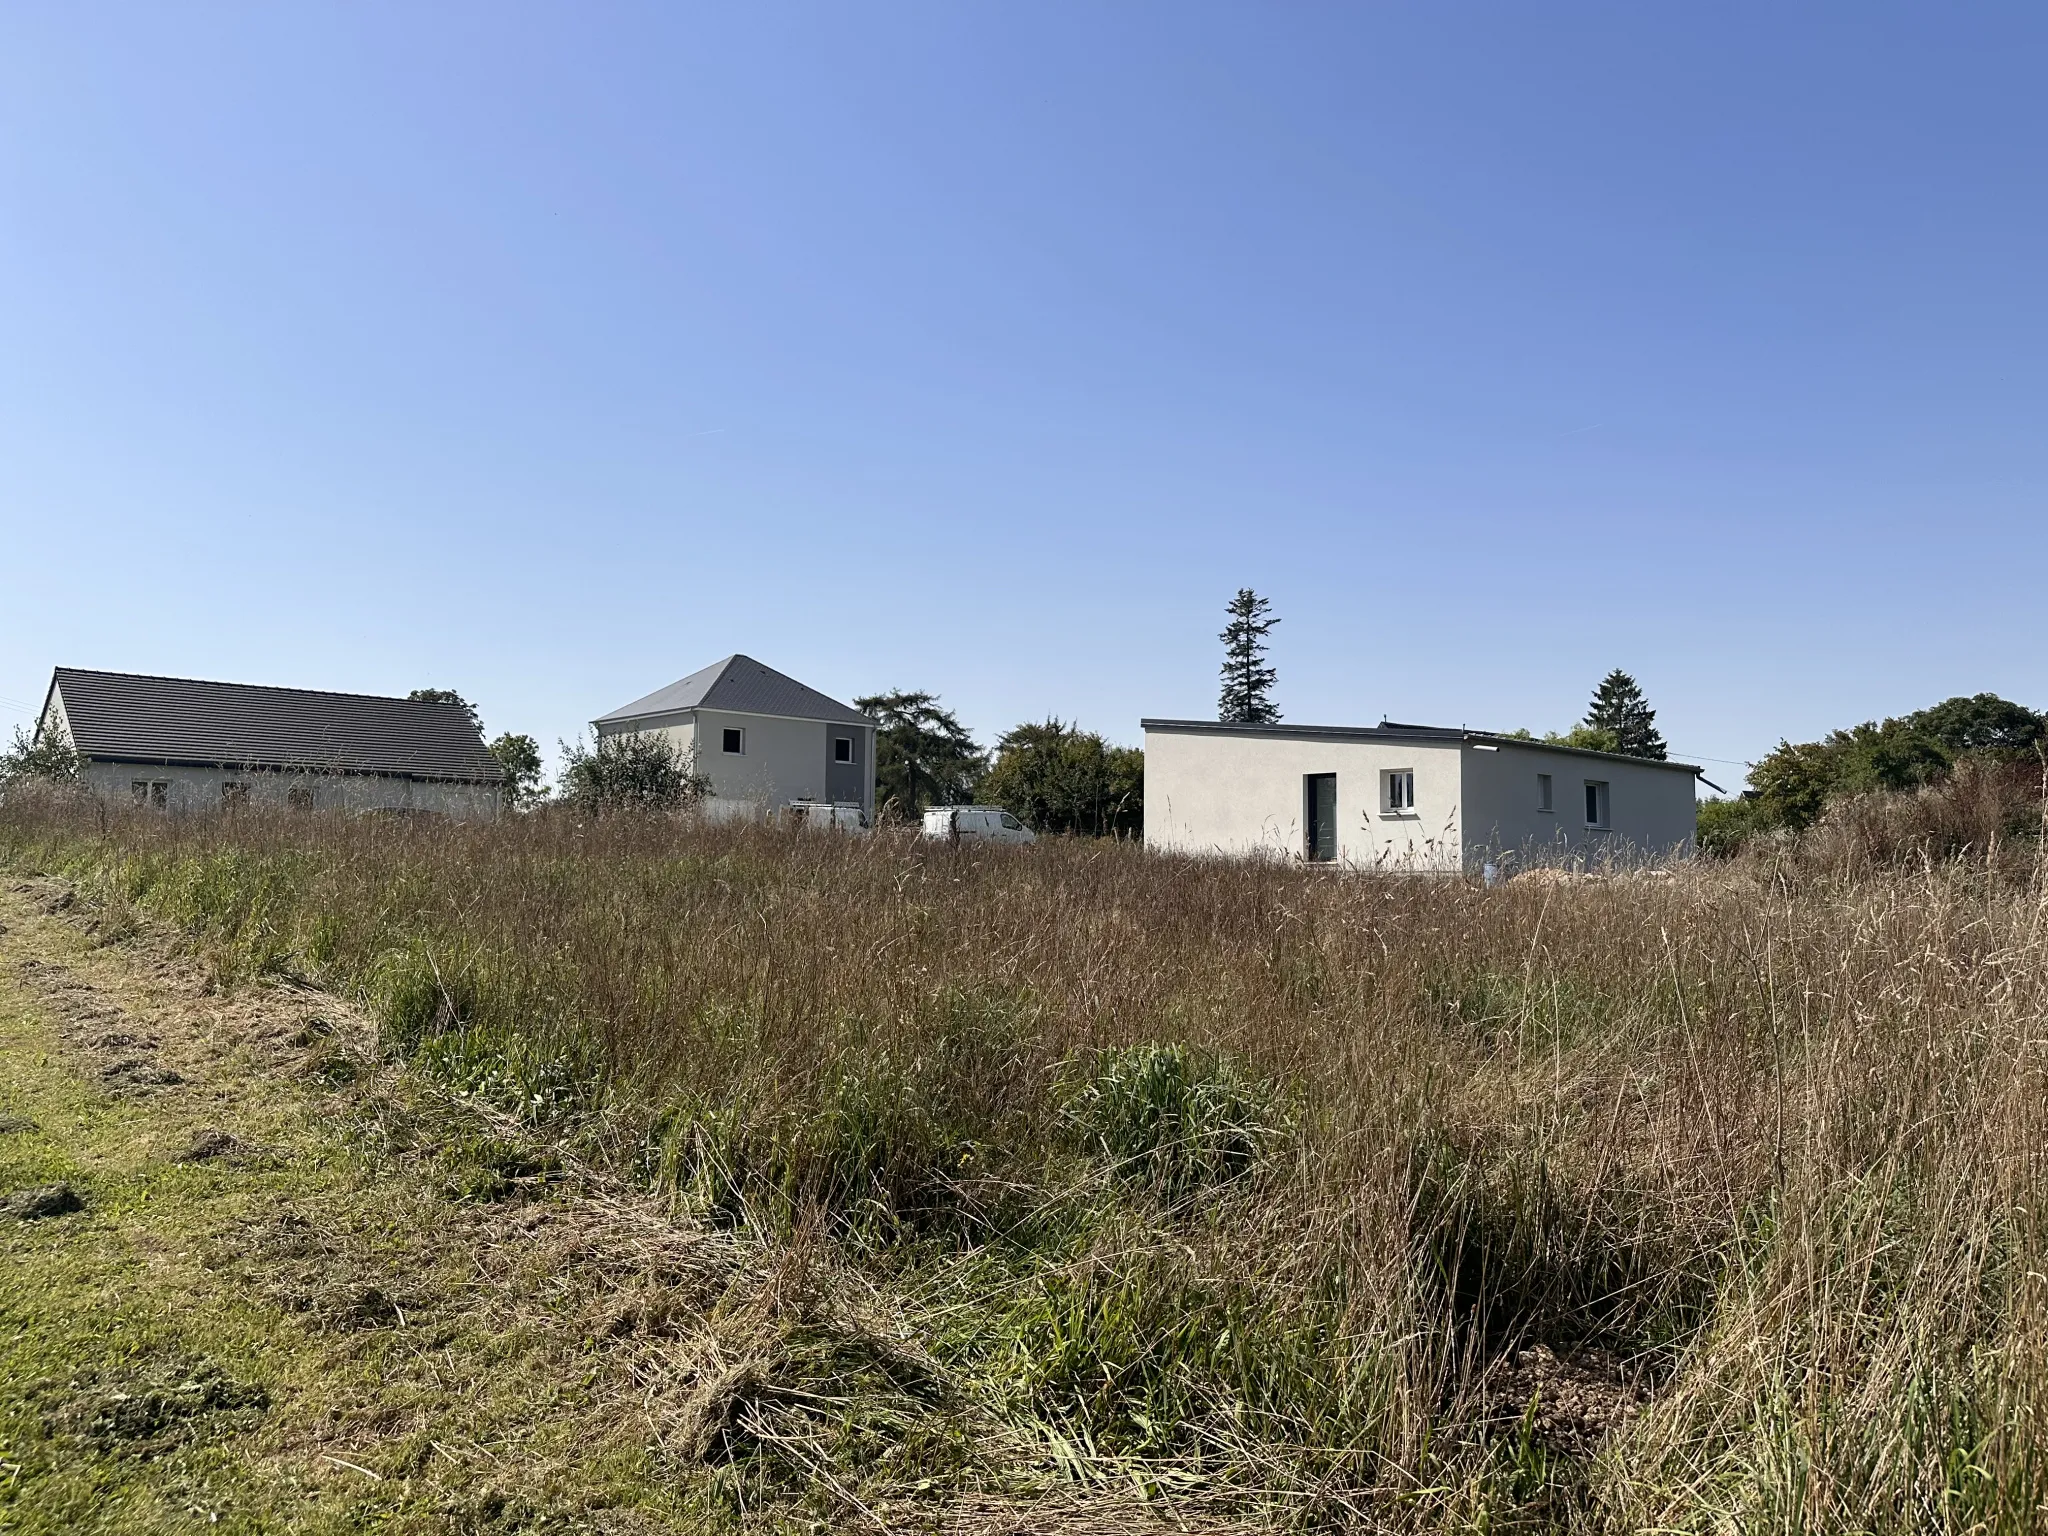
x=199, y=789
x=54, y=724
x=680, y=730
x=1228, y=793
x=1650, y=809
x=784, y=760
x=854, y=781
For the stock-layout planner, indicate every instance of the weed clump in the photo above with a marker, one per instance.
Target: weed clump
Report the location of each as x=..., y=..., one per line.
x=1171, y=1116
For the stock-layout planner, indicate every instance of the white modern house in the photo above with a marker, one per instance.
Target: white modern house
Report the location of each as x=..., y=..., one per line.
x=762, y=738
x=1409, y=797
x=184, y=744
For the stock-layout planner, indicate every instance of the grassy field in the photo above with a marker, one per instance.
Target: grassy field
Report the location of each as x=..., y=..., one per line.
x=1072, y=1188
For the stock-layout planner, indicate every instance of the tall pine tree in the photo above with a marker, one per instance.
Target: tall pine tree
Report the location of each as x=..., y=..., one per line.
x=1247, y=680
x=1619, y=706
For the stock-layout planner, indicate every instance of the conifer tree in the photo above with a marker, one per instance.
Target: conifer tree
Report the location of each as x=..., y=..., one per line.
x=924, y=756
x=1620, y=707
x=1247, y=680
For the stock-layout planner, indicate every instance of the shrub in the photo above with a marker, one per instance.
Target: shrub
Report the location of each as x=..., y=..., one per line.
x=634, y=771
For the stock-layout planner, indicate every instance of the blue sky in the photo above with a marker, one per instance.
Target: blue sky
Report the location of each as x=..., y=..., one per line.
x=549, y=353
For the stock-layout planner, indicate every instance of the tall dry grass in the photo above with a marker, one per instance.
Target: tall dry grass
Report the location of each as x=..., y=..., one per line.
x=1704, y=1201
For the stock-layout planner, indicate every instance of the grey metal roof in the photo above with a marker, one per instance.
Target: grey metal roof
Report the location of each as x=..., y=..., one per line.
x=1390, y=730
x=123, y=717
x=743, y=685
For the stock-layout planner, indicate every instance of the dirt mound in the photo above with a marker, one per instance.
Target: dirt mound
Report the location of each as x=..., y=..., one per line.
x=213, y=1145
x=1577, y=1402
x=44, y=1201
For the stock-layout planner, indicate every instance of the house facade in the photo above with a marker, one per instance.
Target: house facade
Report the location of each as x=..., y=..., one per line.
x=1409, y=797
x=759, y=736
x=184, y=745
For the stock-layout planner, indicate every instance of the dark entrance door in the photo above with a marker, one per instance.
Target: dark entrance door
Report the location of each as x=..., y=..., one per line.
x=1319, y=816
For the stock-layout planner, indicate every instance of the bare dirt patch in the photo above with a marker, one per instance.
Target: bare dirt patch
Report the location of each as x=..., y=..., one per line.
x=1578, y=1401
x=42, y=1202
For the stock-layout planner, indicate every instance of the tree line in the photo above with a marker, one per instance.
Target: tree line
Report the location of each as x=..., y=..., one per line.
x=1052, y=775
x=1792, y=787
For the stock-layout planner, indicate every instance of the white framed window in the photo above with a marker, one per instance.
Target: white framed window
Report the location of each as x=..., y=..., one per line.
x=1596, y=803
x=842, y=749
x=151, y=793
x=1397, y=791
x=734, y=740
x=1546, y=793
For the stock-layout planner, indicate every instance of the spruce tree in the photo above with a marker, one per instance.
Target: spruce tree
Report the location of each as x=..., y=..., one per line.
x=1247, y=680
x=1619, y=706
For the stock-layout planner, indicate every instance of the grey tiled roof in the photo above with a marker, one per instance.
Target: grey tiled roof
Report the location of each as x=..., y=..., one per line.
x=121, y=717
x=741, y=684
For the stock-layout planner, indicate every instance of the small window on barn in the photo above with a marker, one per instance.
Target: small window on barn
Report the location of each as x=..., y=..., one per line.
x=299, y=796
x=1546, y=798
x=1397, y=791
x=842, y=749
x=140, y=790
x=735, y=739
x=233, y=795
x=1596, y=803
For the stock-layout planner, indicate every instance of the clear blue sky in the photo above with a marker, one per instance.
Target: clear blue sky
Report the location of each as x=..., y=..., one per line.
x=549, y=353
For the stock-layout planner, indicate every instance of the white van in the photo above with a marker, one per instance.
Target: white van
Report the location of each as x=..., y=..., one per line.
x=824, y=816
x=975, y=824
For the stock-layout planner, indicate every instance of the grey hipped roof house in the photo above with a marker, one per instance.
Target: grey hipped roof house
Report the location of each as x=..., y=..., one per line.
x=186, y=743
x=760, y=738
x=739, y=684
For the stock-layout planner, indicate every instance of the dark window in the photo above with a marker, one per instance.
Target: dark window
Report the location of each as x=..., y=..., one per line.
x=1544, y=802
x=842, y=749
x=735, y=739
x=1596, y=803
x=1319, y=816
x=233, y=795
x=299, y=797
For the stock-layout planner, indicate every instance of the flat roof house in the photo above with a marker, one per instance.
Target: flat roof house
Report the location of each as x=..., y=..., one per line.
x=1411, y=797
x=762, y=738
x=180, y=744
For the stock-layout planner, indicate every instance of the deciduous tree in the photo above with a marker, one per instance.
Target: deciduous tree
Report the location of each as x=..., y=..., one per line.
x=519, y=756
x=1056, y=778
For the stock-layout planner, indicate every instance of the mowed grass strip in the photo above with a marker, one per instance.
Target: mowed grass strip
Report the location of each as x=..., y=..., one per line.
x=263, y=1316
